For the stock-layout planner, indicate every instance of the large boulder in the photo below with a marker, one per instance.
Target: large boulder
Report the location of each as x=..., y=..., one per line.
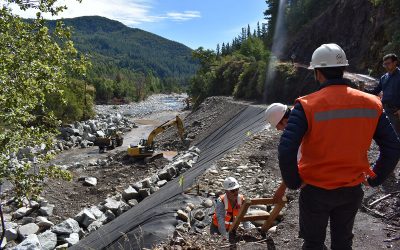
x=71, y=239
x=180, y=165
x=172, y=171
x=68, y=226
x=28, y=229
x=94, y=226
x=123, y=207
x=46, y=210
x=146, y=183
x=137, y=186
x=43, y=222
x=96, y=212
x=48, y=240
x=21, y=212
x=130, y=193
x=85, y=217
x=144, y=192
x=165, y=175
x=11, y=234
x=30, y=243
x=111, y=204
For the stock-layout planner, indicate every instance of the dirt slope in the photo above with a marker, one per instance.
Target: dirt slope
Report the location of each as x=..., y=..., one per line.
x=260, y=176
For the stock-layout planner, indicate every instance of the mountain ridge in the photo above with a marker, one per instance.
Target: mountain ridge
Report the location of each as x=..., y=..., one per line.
x=108, y=41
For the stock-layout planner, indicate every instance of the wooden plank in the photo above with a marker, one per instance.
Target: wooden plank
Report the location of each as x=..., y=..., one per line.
x=263, y=201
x=242, y=213
x=255, y=217
x=274, y=213
x=269, y=219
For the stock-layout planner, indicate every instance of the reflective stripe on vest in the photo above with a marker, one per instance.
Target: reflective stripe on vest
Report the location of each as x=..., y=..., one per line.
x=345, y=114
x=341, y=123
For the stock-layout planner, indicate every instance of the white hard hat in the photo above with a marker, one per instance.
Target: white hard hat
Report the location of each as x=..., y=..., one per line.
x=275, y=113
x=328, y=55
x=231, y=183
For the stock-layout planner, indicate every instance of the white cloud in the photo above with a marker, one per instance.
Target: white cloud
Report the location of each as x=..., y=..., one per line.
x=183, y=16
x=129, y=12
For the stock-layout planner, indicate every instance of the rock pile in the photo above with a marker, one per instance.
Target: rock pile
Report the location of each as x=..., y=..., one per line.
x=33, y=230
x=84, y=134
x=79, y=134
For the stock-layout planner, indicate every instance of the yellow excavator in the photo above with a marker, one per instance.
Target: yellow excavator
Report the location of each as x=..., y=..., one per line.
x=145, y=148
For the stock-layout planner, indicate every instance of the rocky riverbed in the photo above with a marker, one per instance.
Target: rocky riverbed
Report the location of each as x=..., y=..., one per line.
x=103, y=185
x=69, y=210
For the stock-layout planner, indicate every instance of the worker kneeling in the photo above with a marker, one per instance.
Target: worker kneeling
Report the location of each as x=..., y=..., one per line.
x=227, y=208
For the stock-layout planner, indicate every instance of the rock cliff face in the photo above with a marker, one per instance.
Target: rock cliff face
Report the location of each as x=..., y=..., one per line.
x=359, y=27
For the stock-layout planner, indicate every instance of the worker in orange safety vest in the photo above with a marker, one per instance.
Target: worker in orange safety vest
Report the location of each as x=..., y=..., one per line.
x=335, y=127
x=227, y=208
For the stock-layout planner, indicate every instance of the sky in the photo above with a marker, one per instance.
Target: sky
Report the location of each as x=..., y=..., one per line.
x=194, y=23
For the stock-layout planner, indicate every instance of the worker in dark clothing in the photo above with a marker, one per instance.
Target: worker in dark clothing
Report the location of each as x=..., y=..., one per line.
x=334, y=126
x=389, y=84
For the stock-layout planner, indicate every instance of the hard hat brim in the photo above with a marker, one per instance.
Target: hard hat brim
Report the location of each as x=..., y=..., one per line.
x=234, y=187
x=328, y=66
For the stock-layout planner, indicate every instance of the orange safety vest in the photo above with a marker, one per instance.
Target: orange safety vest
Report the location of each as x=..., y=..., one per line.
x=341, y=124
x=230, y=212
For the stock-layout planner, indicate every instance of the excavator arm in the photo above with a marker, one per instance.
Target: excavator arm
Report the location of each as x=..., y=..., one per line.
x=145, y=148
x=177, y=122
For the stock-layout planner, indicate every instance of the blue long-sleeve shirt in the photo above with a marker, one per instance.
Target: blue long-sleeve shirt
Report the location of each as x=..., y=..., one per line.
x=390, y=85
x=384, y=136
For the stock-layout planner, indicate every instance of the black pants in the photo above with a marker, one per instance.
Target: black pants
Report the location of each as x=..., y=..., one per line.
x=317, y=206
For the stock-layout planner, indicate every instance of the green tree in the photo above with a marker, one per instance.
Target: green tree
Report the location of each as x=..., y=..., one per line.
x=258, y=30
x=271, y=15
x=206, y=58
x=248, y=31
x=34, y=64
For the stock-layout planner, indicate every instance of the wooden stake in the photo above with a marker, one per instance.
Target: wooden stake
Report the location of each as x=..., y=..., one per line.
x=242, y=213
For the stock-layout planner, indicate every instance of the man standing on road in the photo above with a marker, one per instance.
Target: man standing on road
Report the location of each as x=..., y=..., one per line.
x=389, y=84
x=335, y=126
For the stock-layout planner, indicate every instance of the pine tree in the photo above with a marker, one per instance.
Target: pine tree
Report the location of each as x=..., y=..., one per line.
x=248, y=31
x=271, y=15
x=223, y=49
x=218, y=50
x=243, y=37
x=228, y=49
x=264, y=30
x=234, y=41
x=258, y=30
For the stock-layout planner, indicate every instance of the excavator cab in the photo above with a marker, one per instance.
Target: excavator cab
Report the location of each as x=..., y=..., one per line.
x=145, y=148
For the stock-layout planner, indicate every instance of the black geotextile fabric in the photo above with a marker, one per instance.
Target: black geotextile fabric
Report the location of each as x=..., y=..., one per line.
x=152, y=220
